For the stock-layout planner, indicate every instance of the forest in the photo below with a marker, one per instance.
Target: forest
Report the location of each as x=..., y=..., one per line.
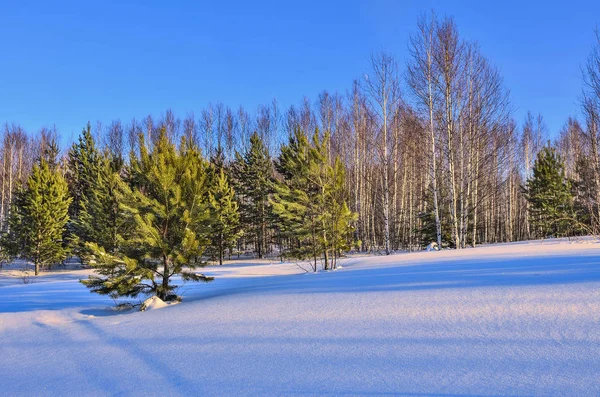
x=410, y=155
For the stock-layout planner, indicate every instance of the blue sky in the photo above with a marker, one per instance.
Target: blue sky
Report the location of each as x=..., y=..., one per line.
x=69, y=62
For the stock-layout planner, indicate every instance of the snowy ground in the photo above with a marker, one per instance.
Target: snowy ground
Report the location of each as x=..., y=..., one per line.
x=517, y=319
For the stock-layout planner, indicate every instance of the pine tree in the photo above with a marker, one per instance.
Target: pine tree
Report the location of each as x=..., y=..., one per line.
x=310, y=202
x=39, y=217
x=342, y=219
x=217, y=160
x=224, y=219
x=293, y=201
x=253, y=173
x=320, y=183
x=13, y=240
x=83, y=177
x=49, y=152
x=549, y=194
x=584, y=189
x=101, y=218
x=166, y=205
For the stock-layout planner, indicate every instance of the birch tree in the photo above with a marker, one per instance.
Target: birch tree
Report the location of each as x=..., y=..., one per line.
x=383, y=93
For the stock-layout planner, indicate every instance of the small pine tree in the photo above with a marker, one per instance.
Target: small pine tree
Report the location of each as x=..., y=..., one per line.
x=39, y=217
x=224, y=218
x=549, y=194
x=166, y=208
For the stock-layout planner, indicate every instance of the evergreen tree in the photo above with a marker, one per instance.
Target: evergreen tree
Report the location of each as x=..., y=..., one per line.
x=321, y=186
x=167, y=209
x=310, y=202
x=342, y=219
x=39, y=217
x=49, y=152
x=217, y=161
x=584, y=190
x=224, y=219
x=13, y=240
x=549, y=194
x=83, y=177
x=101, y=218
x=253, y=177
x=293, y=201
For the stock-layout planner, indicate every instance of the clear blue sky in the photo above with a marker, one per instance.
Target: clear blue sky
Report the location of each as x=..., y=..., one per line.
x=70, y=62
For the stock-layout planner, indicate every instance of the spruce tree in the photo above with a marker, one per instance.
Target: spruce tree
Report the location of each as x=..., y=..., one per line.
x=549, y=194
x=83, y=177
x=586, y=200
x=166, y=207
x=101, y=218
x=224, y=215
x=293, y=201
x=39, y=217
x=253, y=172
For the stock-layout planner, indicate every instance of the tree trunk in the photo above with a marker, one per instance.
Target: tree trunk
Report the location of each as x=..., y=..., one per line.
x=162, y=293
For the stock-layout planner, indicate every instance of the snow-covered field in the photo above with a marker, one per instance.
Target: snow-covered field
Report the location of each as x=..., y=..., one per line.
x=511, y=319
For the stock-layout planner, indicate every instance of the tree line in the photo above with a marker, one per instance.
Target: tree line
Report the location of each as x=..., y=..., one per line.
x=409, y=155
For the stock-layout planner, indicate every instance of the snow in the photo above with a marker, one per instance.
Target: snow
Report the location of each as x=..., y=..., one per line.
x=432, y=247
x=507, y=319
x=152, y=303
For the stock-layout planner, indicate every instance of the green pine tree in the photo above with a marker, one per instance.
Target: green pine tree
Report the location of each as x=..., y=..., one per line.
x=294, y=200
x=549, y=194
x=39, y=217
x=166, y=212
x=253, y=173
x=83, y=177
x=224, y=219
x=342, y=219
x=311, y=201
x=586, y=203
x=49, y=152
x=101, y=217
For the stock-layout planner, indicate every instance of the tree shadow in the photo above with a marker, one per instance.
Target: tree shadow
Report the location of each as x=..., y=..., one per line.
x=415, y=273
x=430, y=275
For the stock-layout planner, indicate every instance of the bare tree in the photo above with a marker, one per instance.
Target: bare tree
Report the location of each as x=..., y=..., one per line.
x=383, y=93
x=423, y=77
x=207, y=122
x=190, y=129
x=532, y=141
x=133, y=132
x=115, y=138
x=590, y=104
x=244, y=129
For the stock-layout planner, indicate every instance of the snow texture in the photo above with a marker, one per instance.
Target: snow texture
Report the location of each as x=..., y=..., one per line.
x=511, y=319
x=152, y=303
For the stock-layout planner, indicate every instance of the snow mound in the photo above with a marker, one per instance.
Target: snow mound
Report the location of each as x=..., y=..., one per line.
x=432, y=247
x=153, y=303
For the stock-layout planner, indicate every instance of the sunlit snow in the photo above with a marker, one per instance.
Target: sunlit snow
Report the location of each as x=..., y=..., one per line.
x=508, y=319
